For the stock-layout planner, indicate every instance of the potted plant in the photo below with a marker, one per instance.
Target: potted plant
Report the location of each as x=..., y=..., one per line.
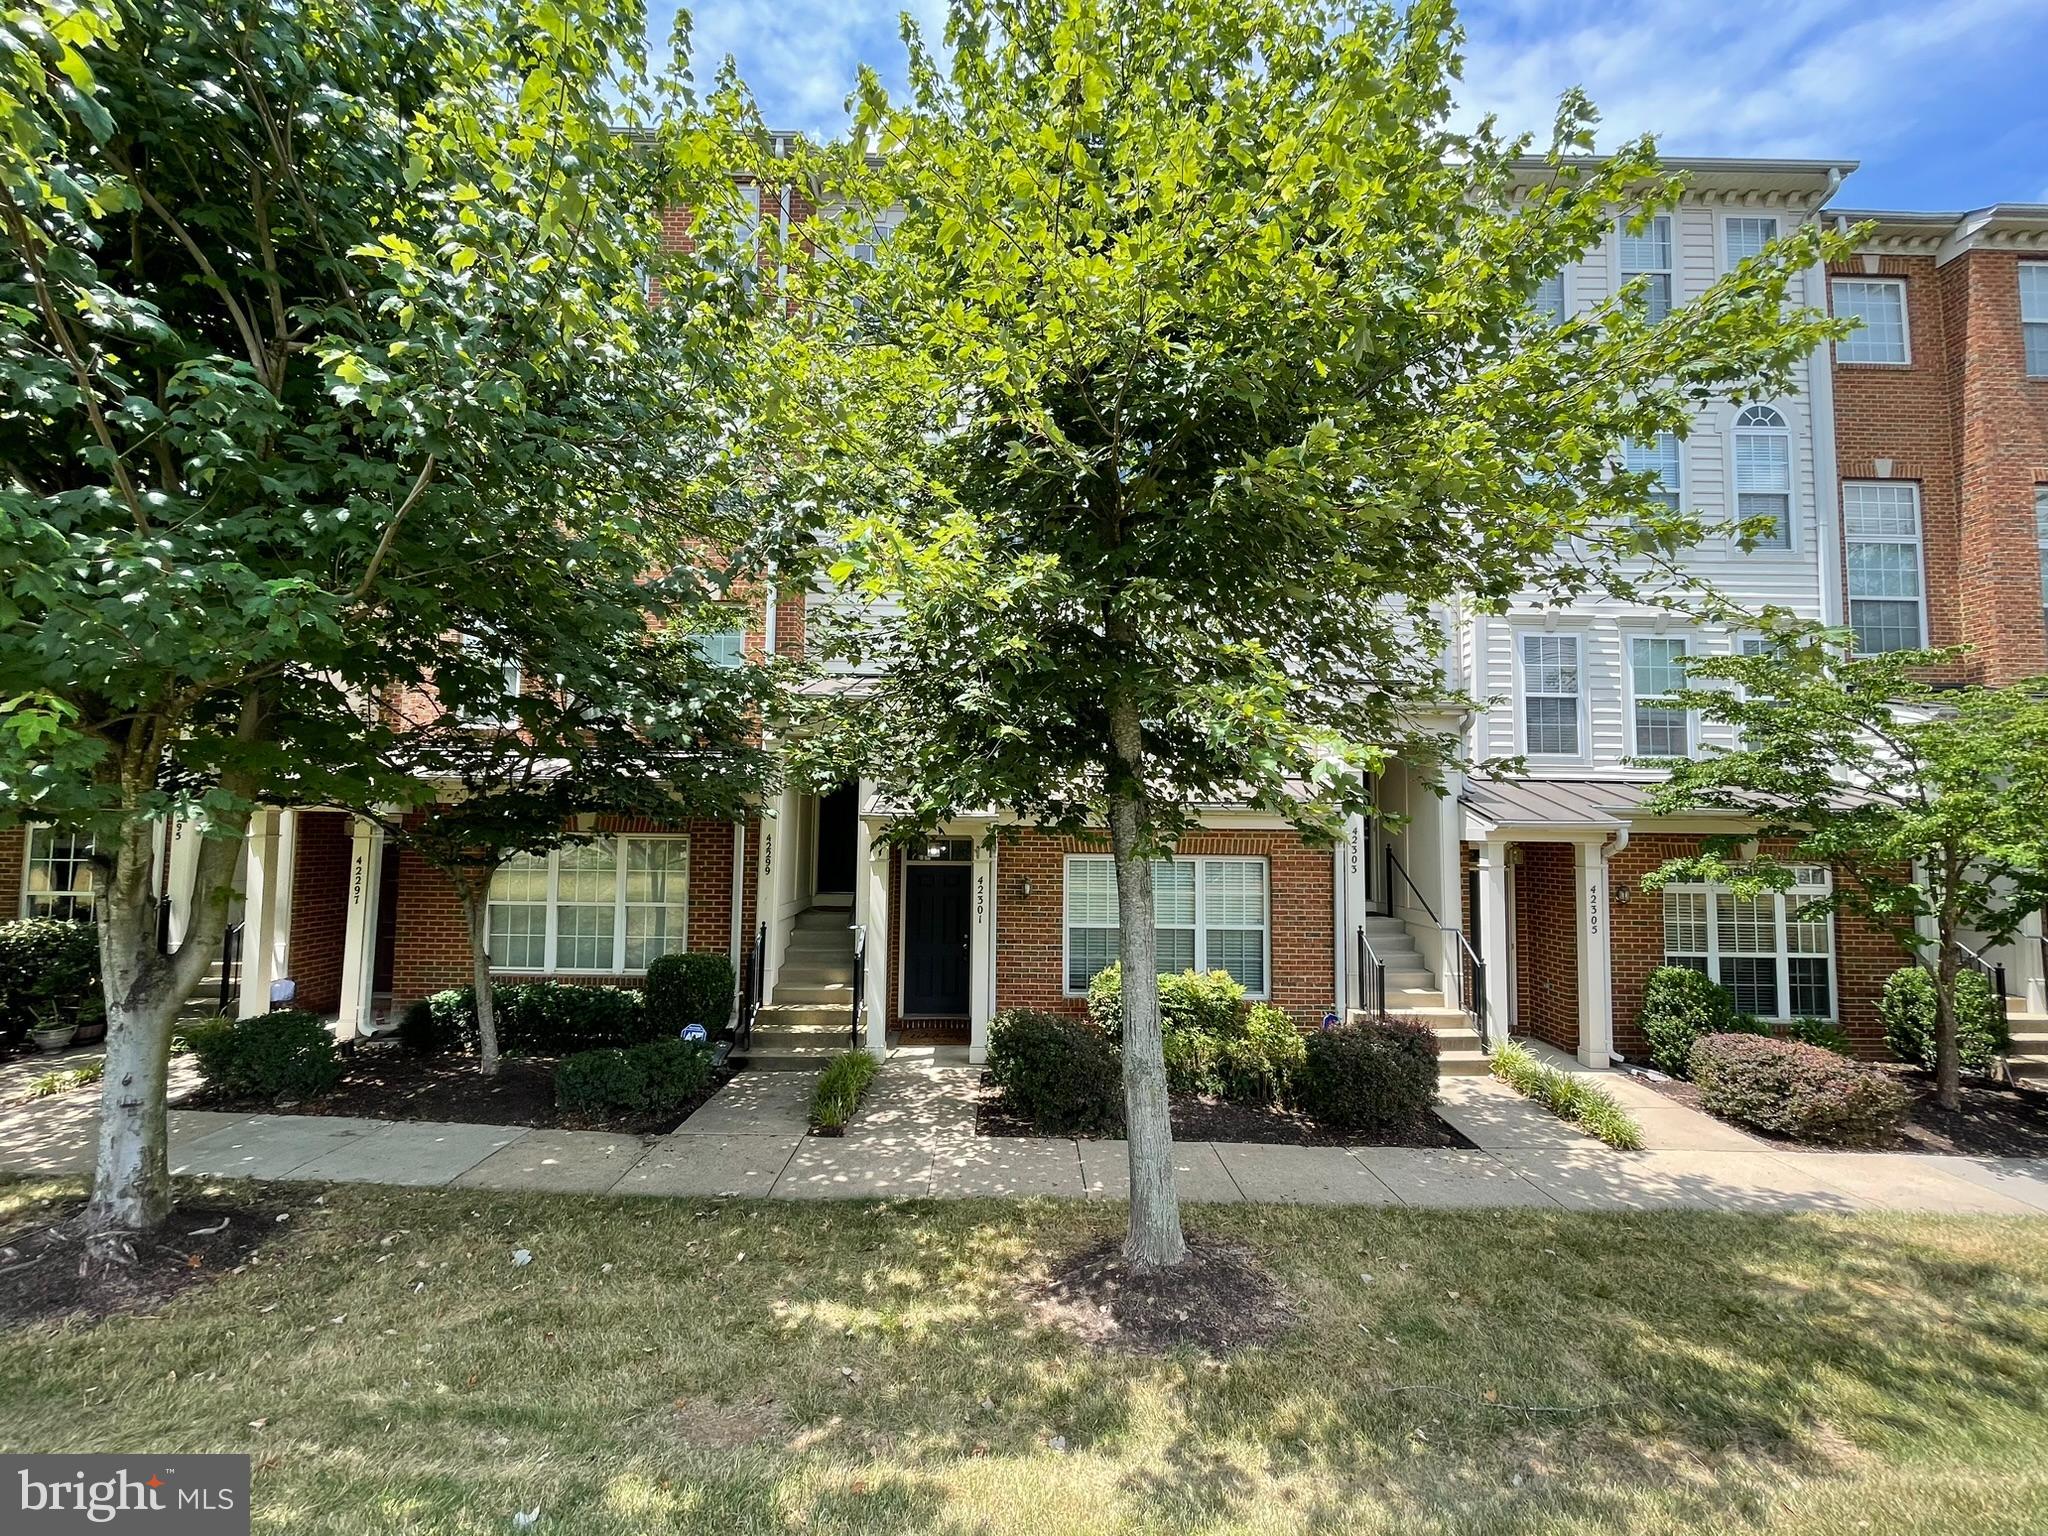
x=52, y=1032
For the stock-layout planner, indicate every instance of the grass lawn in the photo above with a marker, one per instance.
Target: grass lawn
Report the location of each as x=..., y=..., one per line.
x=737, y=1368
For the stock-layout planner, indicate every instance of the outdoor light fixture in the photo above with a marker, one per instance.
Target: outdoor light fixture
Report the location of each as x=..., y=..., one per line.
x=1024, y=887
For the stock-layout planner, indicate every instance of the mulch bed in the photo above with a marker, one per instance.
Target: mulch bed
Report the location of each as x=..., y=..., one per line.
x=1994, y=1121
x=1200, y=1118
x=1219, y=1300
x=47, y=1273
x=388, y=1082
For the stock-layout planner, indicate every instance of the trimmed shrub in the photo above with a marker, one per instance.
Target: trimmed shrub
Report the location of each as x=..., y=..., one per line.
x=1908, y=1011
x=1796, y=1090
x=1825, y=1033
x=536, y=1018
x=1261, y=1067
x=656, y=1077
x=286, y=1054
x=840, y=1088
x=1192, y=1002
x=1062, y=1074
x=689, y=989
x=49, y=971
x=1680, y=1005
x=1368, y=1077
x=1584, y=1104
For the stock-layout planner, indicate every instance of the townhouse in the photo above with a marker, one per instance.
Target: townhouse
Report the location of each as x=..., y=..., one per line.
x=1903, y=476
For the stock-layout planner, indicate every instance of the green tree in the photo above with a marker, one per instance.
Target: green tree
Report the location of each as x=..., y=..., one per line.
x=327, y=340
x=1203, y=368
x=662, y=732
x=1932, y=800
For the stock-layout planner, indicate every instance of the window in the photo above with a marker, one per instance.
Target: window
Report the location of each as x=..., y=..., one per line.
x=512, y=679
x=2041, y=538
x=1747, y=236
x=608, y=906
x=1763, y=474
x=1777, y=960
x=1879, y=304
x=725, y=648
x=1550, y=695
x=1648, y=255
x=2034, y=316
x=1548, y=301
x=1881, y=528
x=1658, y=457
x=1209, y=914
x=1656, y=671
x=59, y=875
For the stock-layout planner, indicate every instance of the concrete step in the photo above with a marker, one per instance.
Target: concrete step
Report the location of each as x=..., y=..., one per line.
x=1408, y=981
x=2031, y=1070
x=815, y=973
x=1462, y=1064
x=824, y=1015
x=822, y=920
x=1416, y=1001
x=825, y=993
x=1376, y=925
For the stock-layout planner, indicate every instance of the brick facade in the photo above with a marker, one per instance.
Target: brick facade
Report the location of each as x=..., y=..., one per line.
x=322, y=846
x=1962, y=421
x=1547, y=944
x=13, y=850
x=1030, y=949
x=432, y=949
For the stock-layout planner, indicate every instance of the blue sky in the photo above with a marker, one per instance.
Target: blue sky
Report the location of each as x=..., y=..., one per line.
x=1945, y=104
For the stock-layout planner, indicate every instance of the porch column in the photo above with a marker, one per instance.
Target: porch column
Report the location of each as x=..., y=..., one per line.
x=2032, y=965
x=1493, y=936
x=875, y=965
x=281, y=904
x=260, y=912
x=359, y=942
x=1596, y=988
x=184, y=870
x=981, y=954
x=1351, y=905
x=1448, y=853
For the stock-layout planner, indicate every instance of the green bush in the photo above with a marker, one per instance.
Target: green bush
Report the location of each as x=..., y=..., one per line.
x=286, y=1054
x=689, y=989
x=840, y=1088
x=1825, y=1033
x=1585, y=1105
x=535, y=1018
x=1796, y=1090
x=656, y=1077
x=1908, y=1010
x=1369, y=1077
x=1680, y=1005
x=1261, y=1067
x=49, y=971
x=1190, y=1002
x=1060, y=1073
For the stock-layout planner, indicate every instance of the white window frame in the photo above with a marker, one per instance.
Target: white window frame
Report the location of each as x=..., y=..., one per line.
x=1811, y=881
x=1659, y=227
x=1916, y=541
x=81, y=861
x=1745, y=428
x=1898, y=286
x=1522, y=694
x=1540, y=300
x=1729, y=260
x=1648, y=458
x=2033, y=317
x=551, y=947
x=514, y=683
x=1202, y=925
x=1638, y=700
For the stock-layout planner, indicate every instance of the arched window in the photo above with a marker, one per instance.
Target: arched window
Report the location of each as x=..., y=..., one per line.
x=1763, y=473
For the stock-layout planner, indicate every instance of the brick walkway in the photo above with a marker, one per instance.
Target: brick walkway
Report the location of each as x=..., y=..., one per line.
x=915, y=1138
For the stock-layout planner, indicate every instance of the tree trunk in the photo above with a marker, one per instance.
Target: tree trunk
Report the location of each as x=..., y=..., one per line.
x=131, y=1189
x=1948, y=1054
x=475, y=888
x=1155, y=1239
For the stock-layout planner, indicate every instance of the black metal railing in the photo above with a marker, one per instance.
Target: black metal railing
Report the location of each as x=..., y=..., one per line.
x=1457, y=948
x=1995, y=974
x=1372, y=978
x=860, y=981
x=231, y=966
x=750, y=993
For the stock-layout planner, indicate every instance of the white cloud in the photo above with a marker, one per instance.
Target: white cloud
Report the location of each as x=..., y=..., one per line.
x=801, y=57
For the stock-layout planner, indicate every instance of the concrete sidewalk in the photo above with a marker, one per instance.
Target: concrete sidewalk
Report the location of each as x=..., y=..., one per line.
x=914, y=1138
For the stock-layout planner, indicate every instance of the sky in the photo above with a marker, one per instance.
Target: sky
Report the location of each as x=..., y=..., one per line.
x=1944, y=104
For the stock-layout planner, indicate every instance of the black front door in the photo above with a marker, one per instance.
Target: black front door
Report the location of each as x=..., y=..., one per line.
x=935, y=939
x=838, y=833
